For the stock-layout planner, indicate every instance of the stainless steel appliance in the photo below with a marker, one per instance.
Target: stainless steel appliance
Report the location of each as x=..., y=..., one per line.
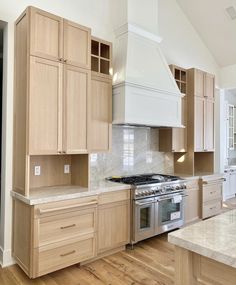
x=157, y=203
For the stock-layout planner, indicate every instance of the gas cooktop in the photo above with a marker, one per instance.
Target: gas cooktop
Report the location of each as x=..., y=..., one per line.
x=143, y=179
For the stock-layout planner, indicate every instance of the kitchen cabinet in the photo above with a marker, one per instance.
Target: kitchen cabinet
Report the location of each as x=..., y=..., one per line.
x=76, y=93
x=54, y=38
x=192, y=202
x=100, y=100
x=113, y=221
x=48, y=237
x=211, y=196
x=175, y=139
x=51, y=236
x=57, y=109
x=100, y=114
x=56, y=86
x=45, y=106
x=201, y=110
x=232, y=183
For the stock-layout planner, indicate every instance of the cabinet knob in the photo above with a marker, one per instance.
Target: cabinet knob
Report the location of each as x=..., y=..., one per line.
x=59, y=151
x=65, y=60
x=60, y=59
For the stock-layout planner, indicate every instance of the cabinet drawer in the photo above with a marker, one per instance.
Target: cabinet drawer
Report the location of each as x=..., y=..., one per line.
x=65, y=226
x=211, y=208
x=64, y=254
x=115, y=196
x=56, y=208
x=212, y=192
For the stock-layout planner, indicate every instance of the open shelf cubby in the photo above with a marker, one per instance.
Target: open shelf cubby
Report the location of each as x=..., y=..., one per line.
x=52, y=171
x=101, y=57
x=180, y=76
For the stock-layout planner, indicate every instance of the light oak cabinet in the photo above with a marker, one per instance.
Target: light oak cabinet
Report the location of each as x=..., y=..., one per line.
x=192, y=202
x=113, y=221
x=100, y=100
x=56, y=86
x=175, y=139
x=57, y=107
x=57, y=39
x=100, y=114
x=211, y=196
x=48, y=237
x=201, y=88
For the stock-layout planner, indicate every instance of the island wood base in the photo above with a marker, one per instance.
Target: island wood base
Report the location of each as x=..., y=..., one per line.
x=195, y=269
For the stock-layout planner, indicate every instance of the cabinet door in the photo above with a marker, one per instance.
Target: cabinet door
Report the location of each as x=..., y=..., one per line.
x=209, y=125
x=100, y=114
x=192, y=205
x=199, y=83
x=46, y=34
x=179, y=135
x=76, y=90
x=113, y=225
x=45, y=103
x=232, y=184
x=199, y=124
x=209, y=86
x=77, y=44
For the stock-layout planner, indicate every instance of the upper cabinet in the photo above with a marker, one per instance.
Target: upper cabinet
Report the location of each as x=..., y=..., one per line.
x=100, y=100
x=201, y=90
x=175, y=139
x=54, y=38
x=56, y=86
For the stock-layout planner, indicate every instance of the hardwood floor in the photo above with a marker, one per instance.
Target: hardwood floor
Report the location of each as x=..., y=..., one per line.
x=150, y=263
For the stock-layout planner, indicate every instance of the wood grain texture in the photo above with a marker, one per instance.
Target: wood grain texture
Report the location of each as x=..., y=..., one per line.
x=150, y=263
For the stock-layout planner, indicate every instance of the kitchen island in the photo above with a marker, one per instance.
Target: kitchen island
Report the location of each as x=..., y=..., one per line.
x=205, y=253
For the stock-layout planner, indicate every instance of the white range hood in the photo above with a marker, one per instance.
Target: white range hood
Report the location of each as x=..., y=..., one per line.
x=144, y=90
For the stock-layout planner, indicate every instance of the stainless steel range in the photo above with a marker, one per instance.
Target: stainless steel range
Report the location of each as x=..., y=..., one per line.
x=157, y=203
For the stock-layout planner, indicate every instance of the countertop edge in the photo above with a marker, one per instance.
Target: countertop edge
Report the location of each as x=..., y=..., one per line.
x=206, y=252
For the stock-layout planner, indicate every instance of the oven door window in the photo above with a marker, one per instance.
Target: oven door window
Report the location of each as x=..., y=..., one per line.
x=169, y=211
x=145, y=217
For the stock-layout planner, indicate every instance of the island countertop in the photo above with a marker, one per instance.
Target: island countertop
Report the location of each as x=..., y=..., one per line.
x=214, y=238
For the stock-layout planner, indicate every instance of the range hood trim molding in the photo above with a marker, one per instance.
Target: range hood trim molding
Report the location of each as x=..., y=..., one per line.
x=126, y=28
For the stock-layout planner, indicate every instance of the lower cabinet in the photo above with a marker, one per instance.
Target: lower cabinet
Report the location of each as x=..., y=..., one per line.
x=52, y=236
x=211, y=196
x=192, y=202
x=113, y=223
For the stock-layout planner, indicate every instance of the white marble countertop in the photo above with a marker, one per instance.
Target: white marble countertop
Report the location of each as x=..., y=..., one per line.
x=214, y=238
x=58, y=193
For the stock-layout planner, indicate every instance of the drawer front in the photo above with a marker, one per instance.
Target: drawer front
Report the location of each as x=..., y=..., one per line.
x=212, y=192
x=65, y=226
x=114, y=196
x=211, y=209
x=55, y=208
x=62, y=256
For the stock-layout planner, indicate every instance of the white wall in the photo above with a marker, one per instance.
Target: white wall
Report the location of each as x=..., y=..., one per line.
x=92, y=13
x=228, y=77
x=181, y=43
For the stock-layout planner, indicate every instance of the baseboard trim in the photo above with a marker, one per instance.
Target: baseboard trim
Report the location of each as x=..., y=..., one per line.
x=6, y=258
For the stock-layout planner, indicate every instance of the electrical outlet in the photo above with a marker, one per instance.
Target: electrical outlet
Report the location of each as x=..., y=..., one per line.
x=66, y=168
x=37, y=170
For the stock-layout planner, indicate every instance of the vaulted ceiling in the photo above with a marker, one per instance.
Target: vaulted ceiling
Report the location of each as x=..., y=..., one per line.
x=214, y=26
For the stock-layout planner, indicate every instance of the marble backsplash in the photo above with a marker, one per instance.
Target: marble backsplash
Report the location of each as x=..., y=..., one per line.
x=135, y=150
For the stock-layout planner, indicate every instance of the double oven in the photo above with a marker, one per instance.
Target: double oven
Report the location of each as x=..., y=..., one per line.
x=156, y=215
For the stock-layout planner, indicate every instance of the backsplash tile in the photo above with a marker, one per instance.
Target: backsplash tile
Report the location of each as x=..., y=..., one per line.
x=134, y=151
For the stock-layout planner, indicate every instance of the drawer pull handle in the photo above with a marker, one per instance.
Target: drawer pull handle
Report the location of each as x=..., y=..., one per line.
x=68, y=253
x=67, y=227
x=212, y=208
x=212, y=192
x=41, y=211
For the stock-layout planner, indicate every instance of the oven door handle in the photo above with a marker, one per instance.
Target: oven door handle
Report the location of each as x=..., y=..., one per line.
x=143, y=204
x=171, y=197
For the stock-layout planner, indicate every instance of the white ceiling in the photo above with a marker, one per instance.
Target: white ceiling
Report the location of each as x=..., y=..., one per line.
x=214, y=26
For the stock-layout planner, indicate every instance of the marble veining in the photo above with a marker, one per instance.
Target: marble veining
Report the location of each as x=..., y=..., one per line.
x=214, y=238
x=135, y=150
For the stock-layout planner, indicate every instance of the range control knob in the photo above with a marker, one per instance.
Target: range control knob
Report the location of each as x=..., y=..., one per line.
x=177, y=187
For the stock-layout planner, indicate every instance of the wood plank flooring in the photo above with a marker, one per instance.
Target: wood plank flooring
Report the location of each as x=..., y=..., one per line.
x=150, y=263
